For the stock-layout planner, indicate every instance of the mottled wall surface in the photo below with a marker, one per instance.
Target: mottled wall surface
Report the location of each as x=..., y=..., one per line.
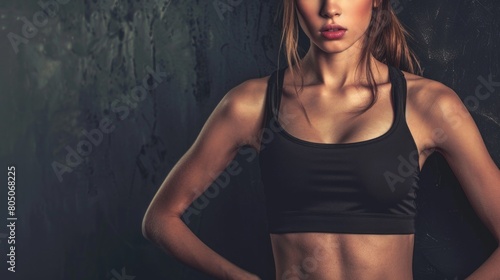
x=99, y=99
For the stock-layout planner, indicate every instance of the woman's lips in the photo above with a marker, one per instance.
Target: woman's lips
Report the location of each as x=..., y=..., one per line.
x=333, y=31
x=333, y=34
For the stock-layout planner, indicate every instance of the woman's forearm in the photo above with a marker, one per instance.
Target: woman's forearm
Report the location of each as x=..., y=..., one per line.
x=175, y=238
x=490, y=269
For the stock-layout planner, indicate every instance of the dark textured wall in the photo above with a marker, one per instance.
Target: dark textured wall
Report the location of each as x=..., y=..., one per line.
x=129, y=84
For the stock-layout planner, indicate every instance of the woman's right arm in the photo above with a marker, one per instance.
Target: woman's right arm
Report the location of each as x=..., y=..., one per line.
x=233, y=123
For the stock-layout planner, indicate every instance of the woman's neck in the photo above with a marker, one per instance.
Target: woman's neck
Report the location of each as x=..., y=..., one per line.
x=336, y=70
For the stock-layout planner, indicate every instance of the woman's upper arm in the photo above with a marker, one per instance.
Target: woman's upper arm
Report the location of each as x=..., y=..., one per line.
x=232, y=124
x=459, y=140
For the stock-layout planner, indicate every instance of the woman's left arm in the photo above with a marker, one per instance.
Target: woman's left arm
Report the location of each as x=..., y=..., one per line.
x=458, y=139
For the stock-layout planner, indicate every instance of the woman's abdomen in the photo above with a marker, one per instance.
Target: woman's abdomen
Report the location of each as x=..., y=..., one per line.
x=332, y=256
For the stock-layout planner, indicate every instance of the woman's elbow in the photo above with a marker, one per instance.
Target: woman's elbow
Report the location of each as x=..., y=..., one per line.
x=148, y=226
x=154, y=225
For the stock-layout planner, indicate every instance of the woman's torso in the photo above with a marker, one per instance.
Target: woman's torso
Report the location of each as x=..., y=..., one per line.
x=314, y=255
x=329, y=256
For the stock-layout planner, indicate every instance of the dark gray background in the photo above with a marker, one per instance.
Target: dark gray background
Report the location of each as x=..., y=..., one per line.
x=66, y=76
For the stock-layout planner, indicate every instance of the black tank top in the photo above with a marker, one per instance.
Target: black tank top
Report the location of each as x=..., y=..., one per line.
x=362, y=187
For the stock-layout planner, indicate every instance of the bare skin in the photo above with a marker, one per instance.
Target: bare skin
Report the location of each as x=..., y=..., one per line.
x=348, y=256
x=342, y=256
x=236, y=122
x=365, y=256
x=333, y=90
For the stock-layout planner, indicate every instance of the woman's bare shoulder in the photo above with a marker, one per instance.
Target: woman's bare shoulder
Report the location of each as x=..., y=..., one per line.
x=424, y=93
x=244, y=104
x=250, y=92
x=247, y=99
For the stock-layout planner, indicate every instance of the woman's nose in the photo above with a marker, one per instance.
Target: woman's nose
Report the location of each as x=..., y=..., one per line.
x=330, y=9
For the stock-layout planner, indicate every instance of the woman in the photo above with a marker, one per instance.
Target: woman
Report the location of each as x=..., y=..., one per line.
x=340, y=157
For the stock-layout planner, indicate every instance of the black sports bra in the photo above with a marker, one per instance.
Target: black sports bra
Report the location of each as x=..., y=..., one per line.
x=362, y=187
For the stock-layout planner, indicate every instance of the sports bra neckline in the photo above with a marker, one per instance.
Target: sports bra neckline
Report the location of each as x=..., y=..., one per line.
x=395, y=123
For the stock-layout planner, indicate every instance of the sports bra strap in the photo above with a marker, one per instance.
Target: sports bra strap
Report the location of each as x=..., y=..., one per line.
x=400, y=87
